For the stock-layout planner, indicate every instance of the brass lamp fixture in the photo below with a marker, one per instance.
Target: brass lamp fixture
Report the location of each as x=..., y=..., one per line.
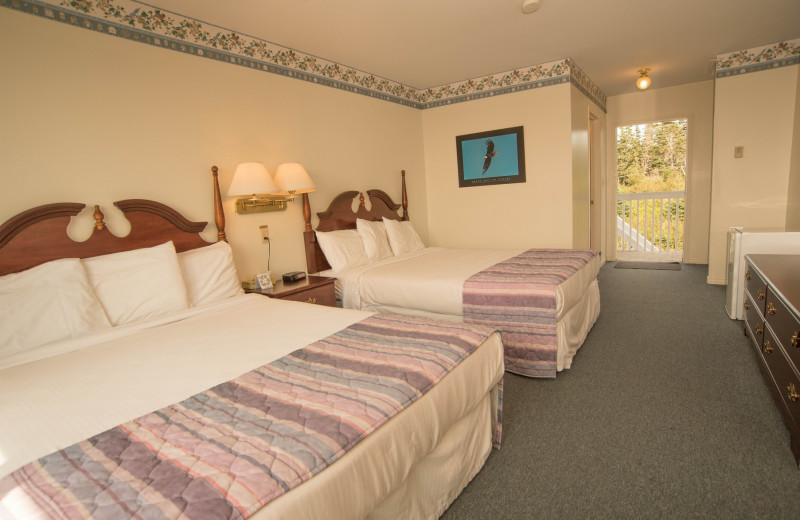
x=644, y=80
x=253, y=179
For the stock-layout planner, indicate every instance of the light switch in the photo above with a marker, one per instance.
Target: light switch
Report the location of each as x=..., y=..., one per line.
x=738, y=152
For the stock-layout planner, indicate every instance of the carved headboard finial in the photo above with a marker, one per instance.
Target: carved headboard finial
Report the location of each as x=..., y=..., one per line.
x=99, y=225
x=404, y=194
x=219, y=213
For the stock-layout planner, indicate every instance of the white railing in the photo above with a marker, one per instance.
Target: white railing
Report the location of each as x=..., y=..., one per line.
x=650, y=222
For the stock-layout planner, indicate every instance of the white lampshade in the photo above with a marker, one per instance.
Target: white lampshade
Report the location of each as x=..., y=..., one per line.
x=292, y=178
x=251, y=178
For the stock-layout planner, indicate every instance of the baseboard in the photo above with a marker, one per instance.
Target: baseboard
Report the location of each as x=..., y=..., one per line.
x=695, y=261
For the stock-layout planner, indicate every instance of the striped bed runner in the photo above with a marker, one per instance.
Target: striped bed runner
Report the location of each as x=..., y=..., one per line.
x=518, y=298
x=226, y=452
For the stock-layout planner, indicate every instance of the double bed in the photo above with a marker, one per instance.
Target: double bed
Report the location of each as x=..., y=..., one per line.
x=224, y=405
x=544, y=301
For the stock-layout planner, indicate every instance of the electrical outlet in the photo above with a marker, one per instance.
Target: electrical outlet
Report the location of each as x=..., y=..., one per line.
x=264, y=234
x=738, y=152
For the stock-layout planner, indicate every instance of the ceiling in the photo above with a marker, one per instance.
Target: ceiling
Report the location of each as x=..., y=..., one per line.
x=428, y=43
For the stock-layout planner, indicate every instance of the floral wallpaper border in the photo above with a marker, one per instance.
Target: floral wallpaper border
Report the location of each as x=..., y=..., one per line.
x=755, y=59
x=135, y=20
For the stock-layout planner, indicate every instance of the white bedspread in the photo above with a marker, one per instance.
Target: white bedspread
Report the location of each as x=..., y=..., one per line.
x=431, y=281
x=50, y=403
x=58, y=401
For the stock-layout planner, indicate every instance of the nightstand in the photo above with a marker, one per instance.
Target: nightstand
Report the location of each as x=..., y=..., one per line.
x=312, y=289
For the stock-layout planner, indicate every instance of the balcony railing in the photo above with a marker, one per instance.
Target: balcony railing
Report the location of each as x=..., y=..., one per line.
x=650, y=222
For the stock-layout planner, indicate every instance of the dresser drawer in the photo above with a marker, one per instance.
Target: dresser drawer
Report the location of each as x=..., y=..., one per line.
x=784, y=378
x=784, y=324
x=756, y=286
x=754, y=321
x=322, y=295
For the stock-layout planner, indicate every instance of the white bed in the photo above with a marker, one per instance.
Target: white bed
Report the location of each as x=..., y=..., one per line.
x=381, y=265
x=412, y=467
x=64, y=391
x=429, y=282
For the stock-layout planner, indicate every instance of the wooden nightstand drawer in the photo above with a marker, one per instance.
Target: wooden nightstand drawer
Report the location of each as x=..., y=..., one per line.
x=312, y=289
x=321, y=295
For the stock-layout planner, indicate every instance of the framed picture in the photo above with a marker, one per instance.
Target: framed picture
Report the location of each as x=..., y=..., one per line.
x=494, y=157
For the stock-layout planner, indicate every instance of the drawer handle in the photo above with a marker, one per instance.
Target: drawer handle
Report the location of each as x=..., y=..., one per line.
x=768, y=347
x=796, y=339
x=771, y=309
x=761, y=294
x=747, y=275
x=311, y=300
x=791, y=392
x=759, y=329
x=747, y=306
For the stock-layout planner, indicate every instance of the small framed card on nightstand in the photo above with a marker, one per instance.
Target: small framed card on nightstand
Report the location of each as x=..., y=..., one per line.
x=263, y=281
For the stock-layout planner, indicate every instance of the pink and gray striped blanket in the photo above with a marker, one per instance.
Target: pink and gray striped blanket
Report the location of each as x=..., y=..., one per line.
x=226, y=452
x=518, y=298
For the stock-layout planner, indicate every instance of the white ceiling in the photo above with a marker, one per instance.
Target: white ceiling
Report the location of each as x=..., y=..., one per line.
x=427, y=43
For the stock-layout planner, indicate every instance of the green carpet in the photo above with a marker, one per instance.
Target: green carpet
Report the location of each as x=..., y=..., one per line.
x=664, y=414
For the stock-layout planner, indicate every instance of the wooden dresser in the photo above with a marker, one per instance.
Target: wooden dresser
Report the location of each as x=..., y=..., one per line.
x=772, y=320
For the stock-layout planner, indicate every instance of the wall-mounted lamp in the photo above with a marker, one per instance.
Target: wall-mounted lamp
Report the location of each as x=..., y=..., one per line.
x=253, y=179
x=293, y=180
x=644, y=80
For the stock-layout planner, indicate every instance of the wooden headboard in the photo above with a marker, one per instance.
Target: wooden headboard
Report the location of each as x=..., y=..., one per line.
x=340, y=215
x=39, y=235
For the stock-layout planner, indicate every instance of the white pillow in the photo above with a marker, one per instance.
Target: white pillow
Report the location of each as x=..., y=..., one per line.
x=343, y=249
x=47, y=303
x=209, y=273
x=139, y=284
x=402, y=236
x=373, y=234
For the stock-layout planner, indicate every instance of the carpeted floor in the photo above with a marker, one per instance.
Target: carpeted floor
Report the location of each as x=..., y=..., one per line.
x=653, y=266
x=664, y=414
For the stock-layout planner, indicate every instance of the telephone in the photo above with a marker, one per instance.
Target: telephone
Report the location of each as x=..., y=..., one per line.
x=294, y=276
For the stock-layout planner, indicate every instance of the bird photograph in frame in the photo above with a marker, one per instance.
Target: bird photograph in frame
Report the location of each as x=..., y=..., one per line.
x=493, y=157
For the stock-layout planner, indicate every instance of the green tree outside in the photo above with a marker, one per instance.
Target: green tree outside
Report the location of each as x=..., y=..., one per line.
x=652, y=158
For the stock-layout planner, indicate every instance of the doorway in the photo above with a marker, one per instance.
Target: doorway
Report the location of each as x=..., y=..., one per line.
x=651, y=190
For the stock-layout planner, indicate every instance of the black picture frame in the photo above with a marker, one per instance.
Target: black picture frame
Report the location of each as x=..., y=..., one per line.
x=492, y=157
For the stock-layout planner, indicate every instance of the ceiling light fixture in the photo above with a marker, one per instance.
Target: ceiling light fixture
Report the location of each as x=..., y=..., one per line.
x=531, y=6
x=644, y=80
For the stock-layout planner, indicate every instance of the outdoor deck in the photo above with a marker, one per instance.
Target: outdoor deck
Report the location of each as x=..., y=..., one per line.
x=650, y=226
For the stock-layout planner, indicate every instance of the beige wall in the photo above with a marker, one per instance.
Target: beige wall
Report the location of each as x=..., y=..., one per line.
x=537, y=213
x=793, y=198
x=694, y=102
x=92, y=118
x=582, y=110
x=756, y=111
